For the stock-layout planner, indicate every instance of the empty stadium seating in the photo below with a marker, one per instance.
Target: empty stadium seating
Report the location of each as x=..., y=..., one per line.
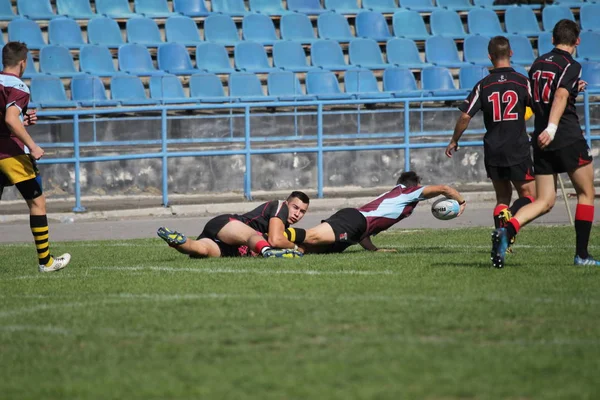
x=400, y=82
x=324, y=86
x=77, y=9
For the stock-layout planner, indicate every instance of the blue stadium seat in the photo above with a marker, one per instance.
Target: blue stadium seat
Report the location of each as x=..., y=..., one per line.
x=327, y=54
x=35, y=9
x=418, y=5
x=104, y=31
x=114, y=8
x=26, y=31
x=381, y=6
x=589, y=14
x=521, y=70
x=207, y=88
x=590, y=72
x=251, y=57
x=6, y=10
x=247, y=87
x=522, y=50
x=404, y=53
x=324, y=85
x=365, y=53
x=49, y=92
x=191, y=8
x=286, y=87
x=342, y=6
x=468, y=76
x=175, y=59
x=409, y=24
x=400, y=82
x=442, y=51
x=371, y=24
x=129, y=91
x=57, y=61
x=297, y=27
x=65, y=32
x=521, y=21
x=308, y=7
x=589, y=48
x=229, y=7
x=475, y=50
x=167, y=89
x=544, y=43
x=483, y=21
x=77, y=9
x=447, y=23
x=290, y=56
x=455, y=5
x=135, y=59
x=182, y=29
x=96, y=60
x=259, y=28
x=153, y=8
x=571, y=3
x=89, y=91
x=553, y=13
x=268, y=7
x=144, y=31
x=30, y=70
x=221, y=29
x=362, y=84
x=439, y=81
x=213, y=57
x=334, y=26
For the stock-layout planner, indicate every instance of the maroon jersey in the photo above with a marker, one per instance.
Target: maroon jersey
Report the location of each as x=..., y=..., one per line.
x=13, y=92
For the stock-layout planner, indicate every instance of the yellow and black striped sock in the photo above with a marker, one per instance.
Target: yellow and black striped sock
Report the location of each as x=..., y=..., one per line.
x=295, y=235
x=39, y=229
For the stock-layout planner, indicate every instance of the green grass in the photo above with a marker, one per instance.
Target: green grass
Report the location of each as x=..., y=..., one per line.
x=137, y=320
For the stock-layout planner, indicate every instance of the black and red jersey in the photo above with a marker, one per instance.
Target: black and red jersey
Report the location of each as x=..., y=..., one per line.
x=259, y=218
x=502, y=96
x=550, y=71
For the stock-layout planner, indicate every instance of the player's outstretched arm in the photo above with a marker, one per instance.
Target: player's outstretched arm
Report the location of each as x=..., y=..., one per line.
x=367, y=244
x=277, y=237
x=445, y=190
x=461, y=126
x=559, y=104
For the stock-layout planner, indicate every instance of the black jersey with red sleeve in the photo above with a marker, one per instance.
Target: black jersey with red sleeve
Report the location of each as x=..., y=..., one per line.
x=259, y=218
x=502, y=96
x=549, y=72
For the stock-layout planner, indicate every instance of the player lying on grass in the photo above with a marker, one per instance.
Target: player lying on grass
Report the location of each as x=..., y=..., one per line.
x=350, y=226
x=504, y=97
x=235, y=235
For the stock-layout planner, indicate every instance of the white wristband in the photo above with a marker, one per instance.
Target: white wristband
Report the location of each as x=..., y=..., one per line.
x=551, y=129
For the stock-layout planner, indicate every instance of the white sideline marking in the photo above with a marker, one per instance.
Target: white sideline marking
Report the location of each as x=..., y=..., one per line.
x=203, y=270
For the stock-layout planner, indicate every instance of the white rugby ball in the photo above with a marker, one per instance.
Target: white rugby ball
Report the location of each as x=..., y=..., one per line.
x=445, y=208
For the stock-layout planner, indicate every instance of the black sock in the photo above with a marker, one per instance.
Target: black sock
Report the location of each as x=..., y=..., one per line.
x=39, y=229
x=584, y=215
x=295, y=235
x=520, y=202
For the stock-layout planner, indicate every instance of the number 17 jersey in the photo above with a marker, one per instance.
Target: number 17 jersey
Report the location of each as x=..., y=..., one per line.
x=502, y=96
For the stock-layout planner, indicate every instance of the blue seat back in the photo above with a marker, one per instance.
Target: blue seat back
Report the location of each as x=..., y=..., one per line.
x=446, y=22
x=322, y=82
x=191, y=8
x=396, y=79
x=236, y=7
x=173, y=56
x=244, y=84
x=74, y=8
x=220, y=29
x=590, y=72
x=151, y=7
x=589, y=47
x=470, y=75
x=304, y=5
x=113, y=7
x=520, y=19
x=551, y=14
x=65, y=31
x=326, y=53
x=56, y=60
x=6, y=10
x=135, y=58
x=365, y=51
x=418, y=4
x=360, y=81
x=437, y=78
x=47, y=89
x=269, y=7
x=30, y=68
x=127, y=87
x=409, y=23
x=96, y=60
x=143, y=31
x=544, y=44
x=166, y=86
x=283, y=83
x=258, y=27
x=212, y=56
x=521, y=70
x=181, y=29
x=484, y=21
x=475, y=50
x=455, y=4
x=342, y=6
x=206, y=85
x=371, y=24
x=35, y=9
x=87, y=87
x=296, y=27
x=589, y=14
x=334, y=26
x=250, y=55
x=440, y=50
x=289, y=55
x=522, y=50
x=379, y=5
x=104, y=31
x=402, y=51
x=27, y=31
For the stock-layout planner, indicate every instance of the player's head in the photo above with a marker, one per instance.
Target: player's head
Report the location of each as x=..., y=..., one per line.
x=14, y=56
x=499, y=49
x=409, y=179
x=297, y=206
x=565, y=32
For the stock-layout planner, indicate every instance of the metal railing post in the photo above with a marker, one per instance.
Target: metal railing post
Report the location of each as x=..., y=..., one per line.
x=406, y=136
x=165, y=157
x=248, y=174
x=586, y=118
x=320, y=151
x=78, y=207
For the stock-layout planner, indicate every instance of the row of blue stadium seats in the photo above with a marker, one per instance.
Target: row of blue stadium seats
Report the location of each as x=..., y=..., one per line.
x=127, y=90
x=81, y=9
x=326, y=54
x=260, y=28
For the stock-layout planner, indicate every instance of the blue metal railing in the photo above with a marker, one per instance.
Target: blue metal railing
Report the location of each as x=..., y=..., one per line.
x=249, y=142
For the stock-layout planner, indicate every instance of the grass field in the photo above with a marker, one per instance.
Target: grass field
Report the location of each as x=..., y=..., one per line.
x=137, y=320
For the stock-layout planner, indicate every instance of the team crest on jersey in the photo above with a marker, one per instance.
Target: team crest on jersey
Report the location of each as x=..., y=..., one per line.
x=549, y=58
x=502, y=78
x=344, y=236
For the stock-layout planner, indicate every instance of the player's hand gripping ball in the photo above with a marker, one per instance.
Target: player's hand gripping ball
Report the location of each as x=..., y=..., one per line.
x=445, y=209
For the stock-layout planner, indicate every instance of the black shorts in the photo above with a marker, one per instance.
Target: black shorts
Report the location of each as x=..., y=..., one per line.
x=520, y=172
x=214, y=226
x=566, y=159
x=348, y=225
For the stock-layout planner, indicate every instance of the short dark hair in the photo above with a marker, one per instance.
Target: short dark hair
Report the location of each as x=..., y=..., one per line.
x=13, y=53
x=299, y=195
x=565, y=32
x=499, y=48
x=409, y=179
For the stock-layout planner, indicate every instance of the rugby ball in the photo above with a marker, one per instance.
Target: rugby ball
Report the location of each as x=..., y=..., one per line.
x=445, y=209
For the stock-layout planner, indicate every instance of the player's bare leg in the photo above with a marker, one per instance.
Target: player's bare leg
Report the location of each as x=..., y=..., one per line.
x=583, y=183
x=320, y=234
x=236, y=233
x=525, y=188
x=201, y=248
